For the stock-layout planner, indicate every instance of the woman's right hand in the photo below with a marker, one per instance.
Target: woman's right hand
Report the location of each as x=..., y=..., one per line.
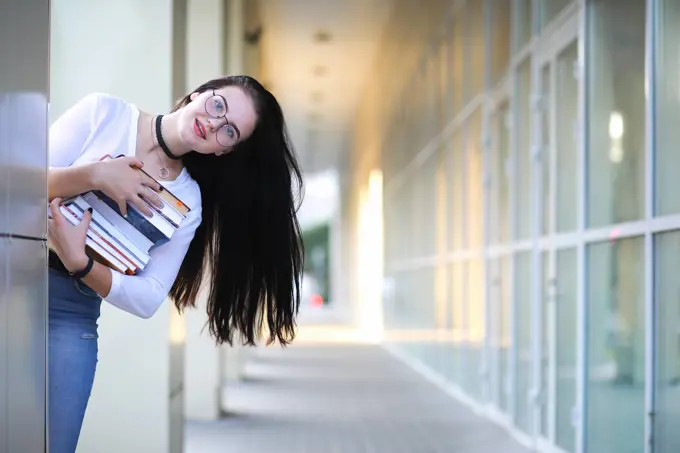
x=122, y=181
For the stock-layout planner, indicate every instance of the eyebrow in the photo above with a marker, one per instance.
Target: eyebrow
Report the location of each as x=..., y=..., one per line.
x=226, y=103
x=235, y=128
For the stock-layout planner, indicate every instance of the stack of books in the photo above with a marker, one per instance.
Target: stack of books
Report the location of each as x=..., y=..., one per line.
x=124, y=243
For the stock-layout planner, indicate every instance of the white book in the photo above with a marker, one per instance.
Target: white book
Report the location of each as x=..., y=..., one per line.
x=113, y=246
x=158, y=221
x=103, y=228
x=94, y=245
x=127, y=230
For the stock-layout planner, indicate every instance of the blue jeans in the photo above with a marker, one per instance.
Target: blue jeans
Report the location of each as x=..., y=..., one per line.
x=72, y=359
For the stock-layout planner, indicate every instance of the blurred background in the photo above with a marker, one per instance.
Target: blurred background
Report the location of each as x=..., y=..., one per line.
x=489, y=218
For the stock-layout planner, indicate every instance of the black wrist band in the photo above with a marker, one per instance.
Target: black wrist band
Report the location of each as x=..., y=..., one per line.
x=80, y=274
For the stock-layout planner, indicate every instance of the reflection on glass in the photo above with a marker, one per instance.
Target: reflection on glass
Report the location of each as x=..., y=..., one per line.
x=445, y=99
x=459, y=322
x=522, y=9
x=566, y=107
x=475, y=29
x=667, y=158
x=476, y=329
x=499, y=213
x=504, y=334
x=667, y=299
x=549, y=9
x=616, y=346
x=546, y=152
x=475, y=188
x=616, y=80
x=456, y=193
x=565, y=335
x=503, y=177
x=457, y=72
x=547, y=308
x=501, y=16
x=522, y=166
x=523, y=312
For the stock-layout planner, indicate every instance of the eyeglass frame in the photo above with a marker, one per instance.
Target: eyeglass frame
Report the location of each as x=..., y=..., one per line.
x=228, y=123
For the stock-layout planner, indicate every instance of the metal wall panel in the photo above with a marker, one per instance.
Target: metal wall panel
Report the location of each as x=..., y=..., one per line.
x=26, y=355
x=24, y=83
x=26, y=168
x=4, y=414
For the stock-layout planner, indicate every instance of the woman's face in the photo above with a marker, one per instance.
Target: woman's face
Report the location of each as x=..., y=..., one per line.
x=217, y=120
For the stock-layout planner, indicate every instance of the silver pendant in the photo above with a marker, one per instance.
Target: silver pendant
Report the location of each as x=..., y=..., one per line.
x=163, y=173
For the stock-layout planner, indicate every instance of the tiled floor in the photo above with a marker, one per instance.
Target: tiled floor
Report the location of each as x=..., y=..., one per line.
x=342, y=398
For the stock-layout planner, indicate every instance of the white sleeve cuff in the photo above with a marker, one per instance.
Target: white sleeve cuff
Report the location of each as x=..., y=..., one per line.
x=116, y=279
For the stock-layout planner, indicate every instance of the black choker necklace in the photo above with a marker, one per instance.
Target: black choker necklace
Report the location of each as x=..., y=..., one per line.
x=161, y=142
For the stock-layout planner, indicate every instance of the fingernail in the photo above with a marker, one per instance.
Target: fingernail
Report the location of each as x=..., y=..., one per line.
x=89, y=210
x=160, y=188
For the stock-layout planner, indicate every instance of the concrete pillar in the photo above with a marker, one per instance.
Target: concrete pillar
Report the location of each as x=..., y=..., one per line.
x=232, y=356
x=205, y=60
x=132, y=50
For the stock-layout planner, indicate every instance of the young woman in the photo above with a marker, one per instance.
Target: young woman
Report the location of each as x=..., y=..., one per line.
x=224, y=151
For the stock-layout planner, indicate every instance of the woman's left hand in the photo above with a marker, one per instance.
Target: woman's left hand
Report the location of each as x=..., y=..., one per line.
x=68, y=241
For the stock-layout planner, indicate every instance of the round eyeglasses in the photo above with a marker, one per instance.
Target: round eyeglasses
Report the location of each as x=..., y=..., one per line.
x=216, y=107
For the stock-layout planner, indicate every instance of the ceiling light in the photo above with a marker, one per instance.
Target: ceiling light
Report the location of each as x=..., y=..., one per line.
x=320, y=70
x=322, y=36
x=317, y=96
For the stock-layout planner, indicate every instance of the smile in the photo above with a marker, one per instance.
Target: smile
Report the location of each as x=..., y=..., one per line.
x=199, y=129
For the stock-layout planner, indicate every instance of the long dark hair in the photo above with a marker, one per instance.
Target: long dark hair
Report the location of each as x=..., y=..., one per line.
x=249, y=242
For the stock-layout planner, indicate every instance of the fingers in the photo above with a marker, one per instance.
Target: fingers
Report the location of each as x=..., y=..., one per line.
x=148, y=181
x=85, y=222
x=141, y=206
x=150, y=196
x=55, y=211
x=134, y=162
x=122, y=207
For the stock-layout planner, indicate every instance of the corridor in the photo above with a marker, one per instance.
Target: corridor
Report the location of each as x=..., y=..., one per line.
x=341, y=397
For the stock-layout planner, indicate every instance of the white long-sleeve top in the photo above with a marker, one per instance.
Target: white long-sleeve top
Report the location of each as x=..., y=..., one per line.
x=100, y=124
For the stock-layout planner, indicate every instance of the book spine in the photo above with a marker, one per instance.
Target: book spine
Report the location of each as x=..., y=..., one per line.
x=107, y=241
x=106, y=252
x=99, y=220
x=158, y=221
x=118, y=222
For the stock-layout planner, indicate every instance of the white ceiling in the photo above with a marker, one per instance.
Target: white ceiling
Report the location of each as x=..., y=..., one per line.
x=320, y=109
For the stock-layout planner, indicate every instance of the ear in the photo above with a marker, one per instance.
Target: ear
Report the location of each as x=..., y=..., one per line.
x=193, y=96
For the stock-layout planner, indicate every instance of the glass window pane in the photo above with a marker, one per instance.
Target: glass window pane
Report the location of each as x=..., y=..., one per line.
x=459, y=323
x=616, y=346
x=504, y=176
x=522, y=167
x=616, y=104
x=546, y=343
x=566, y=107
x=504, y=331
x=546, y=154
x=476, y=328
x=565, y=335
x=457, y=62
x=475, y=189
x=667, y=161
x=500, y=38
x=523, y=312
x=549, y=9
x=523, y=21
x=474, y=12
x=499, y=199
x=445, y=99
x=457, y=192
x=667, y=297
